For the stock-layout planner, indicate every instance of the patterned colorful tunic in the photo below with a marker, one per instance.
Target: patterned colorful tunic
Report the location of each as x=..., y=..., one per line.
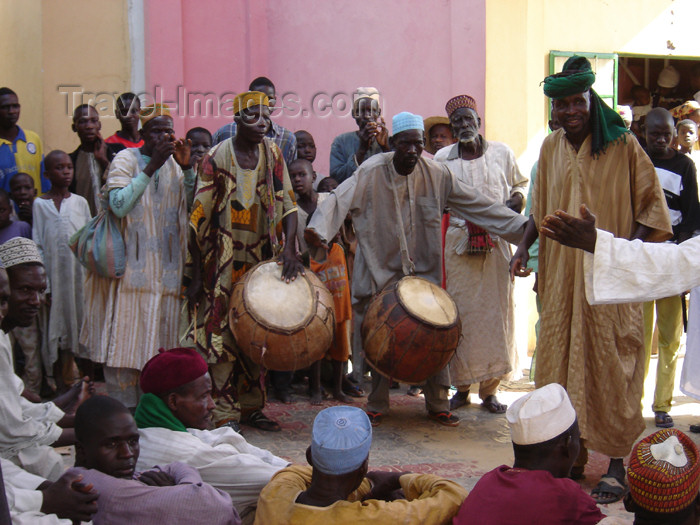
x=237, y=223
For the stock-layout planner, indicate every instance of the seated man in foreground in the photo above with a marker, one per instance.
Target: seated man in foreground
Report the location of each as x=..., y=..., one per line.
x=537, y=489
x=173, y=417
x=106, y=452
x=29, y=430
x=337, y=488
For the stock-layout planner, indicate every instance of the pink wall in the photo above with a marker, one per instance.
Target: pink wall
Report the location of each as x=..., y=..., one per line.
x=417, y=53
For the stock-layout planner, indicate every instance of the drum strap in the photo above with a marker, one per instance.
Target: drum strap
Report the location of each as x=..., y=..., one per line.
x=406, y=262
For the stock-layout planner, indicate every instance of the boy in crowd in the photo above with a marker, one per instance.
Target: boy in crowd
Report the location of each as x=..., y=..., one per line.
x=106, y=452
x=91, y=159
x=20, y=149
x=23, y=193
x=677, y=175
x=687, y=133
x=58, y=214
x=127, y=113
x=686, y=138
x=8, y=227
x=334, y=274
x=201, y=143
x=306, y=150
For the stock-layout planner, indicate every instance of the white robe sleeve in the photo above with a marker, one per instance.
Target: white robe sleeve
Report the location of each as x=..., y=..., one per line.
x=623, y=271
x=20, y=488
x=223, y=459
x=331, y=212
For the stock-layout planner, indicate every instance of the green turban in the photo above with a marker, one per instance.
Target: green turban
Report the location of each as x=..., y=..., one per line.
x=578, y=77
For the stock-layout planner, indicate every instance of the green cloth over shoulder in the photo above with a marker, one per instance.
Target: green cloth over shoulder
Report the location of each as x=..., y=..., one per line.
x=153, y=412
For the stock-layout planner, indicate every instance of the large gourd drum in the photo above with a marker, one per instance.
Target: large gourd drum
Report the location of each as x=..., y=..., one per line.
x=411, y=330
x=279, y=325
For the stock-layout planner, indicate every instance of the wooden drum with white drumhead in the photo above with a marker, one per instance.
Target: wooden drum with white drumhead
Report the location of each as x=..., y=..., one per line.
x=411, y=330
x=279, y=325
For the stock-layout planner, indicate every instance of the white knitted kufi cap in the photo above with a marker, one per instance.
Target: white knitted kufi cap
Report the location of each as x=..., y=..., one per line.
x=540, y=415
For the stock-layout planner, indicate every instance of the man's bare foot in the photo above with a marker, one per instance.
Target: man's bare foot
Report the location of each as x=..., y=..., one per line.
x=339, y=396
x=316, y=397
x=492, y=404
x=87, y=390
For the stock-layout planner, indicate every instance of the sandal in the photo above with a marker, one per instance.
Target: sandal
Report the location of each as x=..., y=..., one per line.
x=259, y=420
x=375, y=418
x=663, y=420
x=444, y=418
x=609, y=485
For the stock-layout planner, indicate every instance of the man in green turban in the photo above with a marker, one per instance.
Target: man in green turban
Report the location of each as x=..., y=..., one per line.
x=595, y=352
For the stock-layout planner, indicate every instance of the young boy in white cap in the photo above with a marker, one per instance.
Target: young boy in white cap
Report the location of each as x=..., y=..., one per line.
x=537, y=489
x=337, y=488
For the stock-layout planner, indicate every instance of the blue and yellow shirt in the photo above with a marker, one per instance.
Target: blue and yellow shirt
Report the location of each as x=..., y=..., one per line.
x=24, y=155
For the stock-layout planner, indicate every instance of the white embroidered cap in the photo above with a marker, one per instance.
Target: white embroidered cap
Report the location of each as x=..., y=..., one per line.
x=540, y=415
x=19, y=250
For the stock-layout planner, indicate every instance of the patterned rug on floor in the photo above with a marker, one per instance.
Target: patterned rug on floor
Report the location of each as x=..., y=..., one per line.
x=408, y=441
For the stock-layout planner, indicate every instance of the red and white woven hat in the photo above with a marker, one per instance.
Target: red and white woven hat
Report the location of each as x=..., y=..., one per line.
x=664, y=472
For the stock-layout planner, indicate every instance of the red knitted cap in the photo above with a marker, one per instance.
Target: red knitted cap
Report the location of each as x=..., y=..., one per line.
x=170, y=369
x=664, y=472
x=460, y=101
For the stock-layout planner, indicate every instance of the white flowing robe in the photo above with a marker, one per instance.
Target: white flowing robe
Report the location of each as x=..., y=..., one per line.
x=223, y=458
x=479, y=283
x=51, y=231
x=132, y=317
x=631, y=271
x=26, y=429
x=23, y=498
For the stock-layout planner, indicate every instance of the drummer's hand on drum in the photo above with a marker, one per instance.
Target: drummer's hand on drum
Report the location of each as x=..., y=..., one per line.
x=291, y=265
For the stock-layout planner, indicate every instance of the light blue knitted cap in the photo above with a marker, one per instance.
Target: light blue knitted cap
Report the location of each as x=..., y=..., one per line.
x=404, y=121
x=340, y=439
